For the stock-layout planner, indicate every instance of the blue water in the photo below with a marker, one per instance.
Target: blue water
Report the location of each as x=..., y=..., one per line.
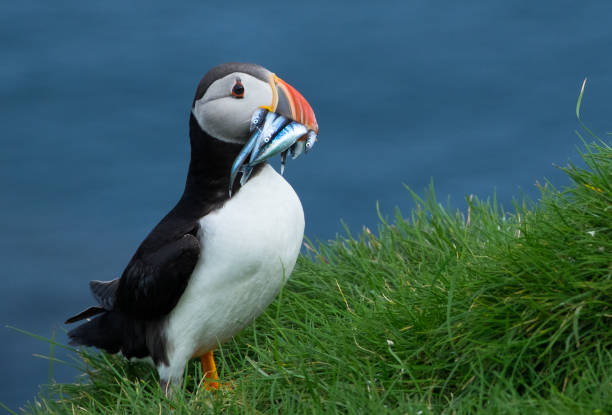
x=95, y=97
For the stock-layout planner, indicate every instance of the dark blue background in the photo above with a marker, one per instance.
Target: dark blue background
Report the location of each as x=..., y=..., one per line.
x=95, y=98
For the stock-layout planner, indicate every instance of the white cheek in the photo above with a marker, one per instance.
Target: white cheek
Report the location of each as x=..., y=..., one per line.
x=228, y=118
x=222, y=119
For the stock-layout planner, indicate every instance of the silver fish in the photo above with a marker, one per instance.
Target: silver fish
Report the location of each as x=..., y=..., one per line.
x=239, y=161
x=257, y=119
x=246, y=173
x=281, y=142
x=266, y=129
x=310, y=142
x=283, y=161
x=297, y=149
x=271, y=134
x=274, y=128
x=260, y=144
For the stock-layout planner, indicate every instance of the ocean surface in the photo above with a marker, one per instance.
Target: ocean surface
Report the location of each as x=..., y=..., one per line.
x=95, y=96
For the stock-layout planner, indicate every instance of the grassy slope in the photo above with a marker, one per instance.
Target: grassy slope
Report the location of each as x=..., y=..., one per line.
x=497, y=312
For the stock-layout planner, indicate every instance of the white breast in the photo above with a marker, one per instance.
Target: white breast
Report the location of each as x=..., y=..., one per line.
x=249, y=248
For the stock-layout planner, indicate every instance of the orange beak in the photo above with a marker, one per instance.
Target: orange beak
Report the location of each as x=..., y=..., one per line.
x=288, y=102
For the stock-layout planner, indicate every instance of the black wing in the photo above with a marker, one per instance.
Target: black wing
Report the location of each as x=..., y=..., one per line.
x=153, y=281
x=104, y=294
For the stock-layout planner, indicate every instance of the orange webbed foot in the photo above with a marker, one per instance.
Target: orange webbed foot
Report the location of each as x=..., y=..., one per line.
x=209, y=371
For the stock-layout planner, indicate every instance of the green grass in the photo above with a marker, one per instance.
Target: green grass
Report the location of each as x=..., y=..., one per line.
x=496, y=312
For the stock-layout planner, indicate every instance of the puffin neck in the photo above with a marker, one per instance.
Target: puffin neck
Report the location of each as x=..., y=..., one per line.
x=209, y=169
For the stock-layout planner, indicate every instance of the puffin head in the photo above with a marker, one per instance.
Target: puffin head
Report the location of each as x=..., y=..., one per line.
x=229, y=94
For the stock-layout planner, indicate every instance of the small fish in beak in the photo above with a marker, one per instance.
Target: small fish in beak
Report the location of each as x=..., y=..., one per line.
x=310, y=141
x=276, y=125
x=258, y=117
x=272, y=123
x=255, y=127
x=281, y=142
x=287, y=125
x=272, y=134
x=297, y=149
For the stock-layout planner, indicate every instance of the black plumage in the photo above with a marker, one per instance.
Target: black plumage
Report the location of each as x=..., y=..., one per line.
x=131, y=308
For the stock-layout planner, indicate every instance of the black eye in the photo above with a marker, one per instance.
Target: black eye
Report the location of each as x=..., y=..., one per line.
x=238, y=90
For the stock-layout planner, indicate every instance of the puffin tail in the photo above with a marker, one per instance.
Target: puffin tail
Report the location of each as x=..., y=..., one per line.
x=89, y=312
x=104, y=332
x=107, y=331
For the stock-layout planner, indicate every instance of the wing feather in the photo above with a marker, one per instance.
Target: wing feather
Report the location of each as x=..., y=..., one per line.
x=152, y=284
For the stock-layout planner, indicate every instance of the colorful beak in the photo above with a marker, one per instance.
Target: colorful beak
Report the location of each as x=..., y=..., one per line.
x=288, y=102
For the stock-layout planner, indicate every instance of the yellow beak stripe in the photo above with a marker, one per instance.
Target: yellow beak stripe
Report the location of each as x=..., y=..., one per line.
x=274, y=104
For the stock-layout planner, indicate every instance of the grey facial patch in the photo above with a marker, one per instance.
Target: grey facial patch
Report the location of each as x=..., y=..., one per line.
x=225, y=69
x=225, y=117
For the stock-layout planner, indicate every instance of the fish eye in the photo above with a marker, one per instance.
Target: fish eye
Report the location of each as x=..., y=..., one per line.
x=238, y=89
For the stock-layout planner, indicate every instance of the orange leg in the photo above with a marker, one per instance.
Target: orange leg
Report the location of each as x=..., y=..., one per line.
x=209, y=369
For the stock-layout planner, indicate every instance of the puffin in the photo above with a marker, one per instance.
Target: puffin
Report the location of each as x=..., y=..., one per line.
x=223, y=252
